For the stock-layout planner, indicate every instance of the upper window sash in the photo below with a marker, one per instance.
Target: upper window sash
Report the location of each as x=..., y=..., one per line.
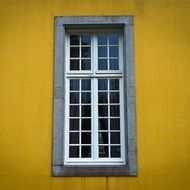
x=94, y=53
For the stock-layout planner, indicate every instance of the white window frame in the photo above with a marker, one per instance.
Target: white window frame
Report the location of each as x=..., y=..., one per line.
x=94, y=74
x=59, y=167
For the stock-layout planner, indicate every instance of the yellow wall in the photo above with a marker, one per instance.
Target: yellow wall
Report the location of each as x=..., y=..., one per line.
x=162, y=66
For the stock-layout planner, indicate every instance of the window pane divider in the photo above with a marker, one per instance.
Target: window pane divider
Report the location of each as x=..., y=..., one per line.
x=102, y=75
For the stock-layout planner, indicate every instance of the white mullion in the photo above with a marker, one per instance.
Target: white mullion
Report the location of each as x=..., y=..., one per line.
x=120, y=53
x=80, y=116
x=109, y=133
x=95, y=58
x=122, y=124
x=80, y=53
x=95, y=99
x=96, y=121
x=108, y=53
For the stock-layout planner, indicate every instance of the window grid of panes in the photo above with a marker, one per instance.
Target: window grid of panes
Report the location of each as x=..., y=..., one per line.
x=80, y=118
x=94, y=107
x=109, y=118
x=80, y=52
x=108, y=52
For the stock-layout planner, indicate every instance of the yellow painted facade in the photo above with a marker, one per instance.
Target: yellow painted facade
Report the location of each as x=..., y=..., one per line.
x=162, y=69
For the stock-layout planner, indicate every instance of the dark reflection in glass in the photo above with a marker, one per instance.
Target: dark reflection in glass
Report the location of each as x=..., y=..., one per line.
x=86, y=39
x=86, y=111
x=102, y=51
x=115, y=137
x=86, y=138
x=115, y=124
x=102, y=111
x=102, y=97
x=74, y=111
x=86, y=64
x=113, y=39
x=85, y=151
x=103, y=137
x=74, y=124
x=86, y=84
x=114, y=84
x=102, y=84
x=74, y=40
x=74, y=97
x=114, y=51
x=114, y=97
x=86, y=124
x=74, y=138
x=114, y=111
x=103, y=124
x=85, y=97
x=74, y=84
x=102, y=64
x=114, y=64
x=103, y=151
x=74, y=151
x=115, y=152
x=74, y=64
x=102, y=39
x=86, y=52
x=74, y=52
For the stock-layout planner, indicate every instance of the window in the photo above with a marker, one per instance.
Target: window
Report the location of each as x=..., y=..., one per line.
x=94, y=102
x=94, y=130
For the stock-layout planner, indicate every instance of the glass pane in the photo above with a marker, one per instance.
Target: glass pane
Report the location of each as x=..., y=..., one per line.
x=74, y=52
x=85, y=151
x=114, y=51
x=86, y=97
x=114, y=97
x=74, y=40
x=86, y=52
x=114, y=84
x=102, y=84
x=86, y=124
x=102, y=97
x=102, y=39
x=86, y=64
x=103, y=151
x=102, y=51
x=74, y=97
x=115, y=137
x=114, y=111
x=86, y=138
x=103, y=124
x=86, y=111
x=74, y=111
x=102, y=64
x=103, y=137
x=86, y=84
x=74, y=85
x=113, y=39
x=74, y=64
x=74, y=124
x=115, y=152
x=74, y=151
x=86, y=39
x=103, y=111
x=114, y=64
x=74, y=138
x=115, y=124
